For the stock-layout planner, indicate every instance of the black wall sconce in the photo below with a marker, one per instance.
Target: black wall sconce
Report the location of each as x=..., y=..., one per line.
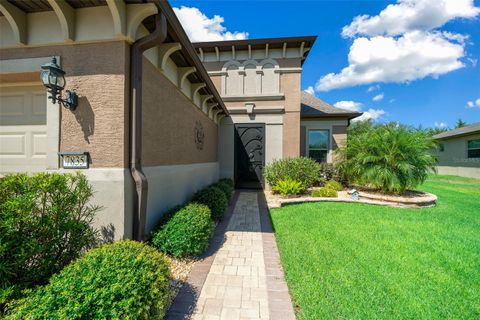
x=53, y=78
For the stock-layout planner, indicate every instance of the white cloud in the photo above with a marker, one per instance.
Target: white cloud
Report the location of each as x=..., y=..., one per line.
x=372, y=114
x=473, y=104
x=310, y=90
x=200, y=28
x=441, y=125
x=373, y=88
x=402, y=44
x=413, y=56
x=409, y=15
x=378, y=97
x=348, y=105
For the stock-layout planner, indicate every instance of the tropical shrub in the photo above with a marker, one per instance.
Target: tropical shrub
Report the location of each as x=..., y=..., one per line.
x=324, y=192
x=215, y=199
x=226, y=188
x=302, y=169
x=44, y=225
x=288, y=187
x=388, y=157
x=335, y=185
x=167, y=215
x=123, y=280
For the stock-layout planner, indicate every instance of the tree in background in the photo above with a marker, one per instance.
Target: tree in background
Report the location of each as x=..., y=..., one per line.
x=460, y=123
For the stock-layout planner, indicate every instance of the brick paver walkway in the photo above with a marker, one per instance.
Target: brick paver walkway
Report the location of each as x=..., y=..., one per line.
x=243, y=279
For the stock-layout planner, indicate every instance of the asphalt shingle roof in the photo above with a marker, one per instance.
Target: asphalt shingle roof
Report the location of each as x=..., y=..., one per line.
x=470, y=129
x=313, y=107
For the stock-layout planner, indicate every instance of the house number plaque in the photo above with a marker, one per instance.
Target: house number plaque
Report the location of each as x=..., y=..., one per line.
x=74, y=160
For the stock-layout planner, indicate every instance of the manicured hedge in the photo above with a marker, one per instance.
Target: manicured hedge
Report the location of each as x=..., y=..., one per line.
x=123, y=280
x=215, y=199
x=226, y=188
x=44, y=225
x=187, y=232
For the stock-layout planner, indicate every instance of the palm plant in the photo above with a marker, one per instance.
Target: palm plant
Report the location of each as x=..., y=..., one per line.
x=389, y=157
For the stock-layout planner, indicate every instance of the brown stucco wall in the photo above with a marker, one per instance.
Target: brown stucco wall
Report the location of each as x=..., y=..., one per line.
x=290, y=86
x=99, y=74
x=169, y=120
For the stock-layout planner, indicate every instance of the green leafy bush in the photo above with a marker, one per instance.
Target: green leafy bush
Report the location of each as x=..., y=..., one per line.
x=288, y=187
x=44, y=225
x=328, y=172
x=227, y=181
x=123, y=280
x=226, y=188
x=303, y=170
x=388, y=157
x=324, y=192
x=335, y=185
x=187, y=233
x=215, y=199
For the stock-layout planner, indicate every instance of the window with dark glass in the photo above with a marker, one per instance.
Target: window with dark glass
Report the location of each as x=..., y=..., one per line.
x=474, y=148
x=318, y=144
x=441, y=146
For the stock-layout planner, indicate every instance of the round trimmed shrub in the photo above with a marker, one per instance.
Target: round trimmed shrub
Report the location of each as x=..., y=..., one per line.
x=186, y=233
x=335, y=185
x=227, y=181
x=123, y=280
x=324, y=193
x=215, y=199
x=302, y=169
x=226, y=188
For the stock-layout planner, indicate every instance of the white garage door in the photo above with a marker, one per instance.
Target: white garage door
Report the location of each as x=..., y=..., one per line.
x=23, y=134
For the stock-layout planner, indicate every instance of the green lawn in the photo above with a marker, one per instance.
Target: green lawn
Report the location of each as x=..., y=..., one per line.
x=358, y=261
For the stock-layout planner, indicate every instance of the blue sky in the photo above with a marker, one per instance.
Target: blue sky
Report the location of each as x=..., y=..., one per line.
x=434, y=81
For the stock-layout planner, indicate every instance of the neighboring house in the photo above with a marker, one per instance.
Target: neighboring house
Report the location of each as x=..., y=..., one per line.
x=459, y=151
x=270, y=117
x=155, y=125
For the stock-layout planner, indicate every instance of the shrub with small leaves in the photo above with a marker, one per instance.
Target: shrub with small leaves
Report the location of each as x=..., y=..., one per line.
x=187, y=233
x=335, y=185
x=123, y=280
x=304, y=170
x=45, y=223
x=226, y=188
x=215, y=199
x=324, y=193
x=288, y=187
x=227, y=181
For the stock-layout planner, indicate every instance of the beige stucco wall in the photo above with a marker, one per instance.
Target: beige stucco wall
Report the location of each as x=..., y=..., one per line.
x=454, y=161
x=337, y=129
x=169, y=120
x=96, y=71
x=455, y=152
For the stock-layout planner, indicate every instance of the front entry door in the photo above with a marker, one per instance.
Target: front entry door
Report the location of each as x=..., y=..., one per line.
x=249, y=155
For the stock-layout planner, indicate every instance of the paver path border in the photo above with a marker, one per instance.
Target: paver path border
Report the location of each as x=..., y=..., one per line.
x=279, y=302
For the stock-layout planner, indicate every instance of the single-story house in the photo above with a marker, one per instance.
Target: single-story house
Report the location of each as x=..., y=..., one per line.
x=150, y=117
x=459, y=151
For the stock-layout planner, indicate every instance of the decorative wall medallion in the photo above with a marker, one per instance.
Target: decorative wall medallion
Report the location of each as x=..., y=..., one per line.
x=199, y=135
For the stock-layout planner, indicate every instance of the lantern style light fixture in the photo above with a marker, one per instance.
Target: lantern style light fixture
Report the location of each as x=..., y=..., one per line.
x=53, y=78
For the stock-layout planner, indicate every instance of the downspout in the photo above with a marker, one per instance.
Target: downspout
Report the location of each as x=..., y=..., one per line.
x=136, y=65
